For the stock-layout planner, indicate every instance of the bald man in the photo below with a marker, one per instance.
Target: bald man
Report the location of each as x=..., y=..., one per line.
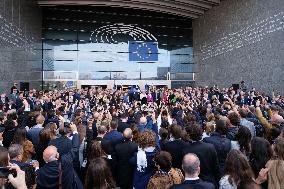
x=48, y=175
x=127, y=134
x=50, y=154
x=191, y=168
x=271, y=128
x=122, y=154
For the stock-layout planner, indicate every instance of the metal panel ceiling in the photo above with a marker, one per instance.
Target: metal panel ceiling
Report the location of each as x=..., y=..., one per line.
x=185, y=8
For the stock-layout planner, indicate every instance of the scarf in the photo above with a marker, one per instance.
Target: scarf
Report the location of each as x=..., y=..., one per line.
x=142, y=159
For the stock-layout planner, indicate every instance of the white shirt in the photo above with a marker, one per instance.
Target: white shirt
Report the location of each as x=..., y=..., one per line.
x=38, y=126
x=194, y=178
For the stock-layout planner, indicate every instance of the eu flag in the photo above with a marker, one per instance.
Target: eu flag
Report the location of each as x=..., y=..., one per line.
x=143, y=51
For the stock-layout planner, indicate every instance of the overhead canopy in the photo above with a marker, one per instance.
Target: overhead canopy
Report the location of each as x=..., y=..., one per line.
x=186, y=8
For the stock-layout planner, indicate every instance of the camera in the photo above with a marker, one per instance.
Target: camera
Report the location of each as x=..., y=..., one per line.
x=66, y=129
x=5, y=171
x=66, y=125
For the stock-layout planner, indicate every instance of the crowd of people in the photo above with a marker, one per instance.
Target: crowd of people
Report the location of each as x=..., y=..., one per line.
x=94, y=138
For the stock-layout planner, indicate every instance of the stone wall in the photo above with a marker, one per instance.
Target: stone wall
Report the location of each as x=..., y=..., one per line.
x=241, y=40
x=20, y=43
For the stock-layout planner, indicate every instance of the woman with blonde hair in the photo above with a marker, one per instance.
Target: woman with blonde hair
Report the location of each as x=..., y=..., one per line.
x=209, y=128
x=276, y=166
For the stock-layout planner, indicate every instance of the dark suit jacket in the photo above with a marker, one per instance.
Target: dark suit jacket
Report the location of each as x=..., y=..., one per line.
x=121, y=156
x=193, y=184
x=175, y=149
x=136, y=96
x=122, y=126
x=106, y=145
x=63, y=144
x=33, y=135
x=31, y=103
x=209, y=164
x=114, y=137
x=48, y=174
x=141, y=179
x=8, y=136
x=222, y=146
x=19, y=103
x=5, y=104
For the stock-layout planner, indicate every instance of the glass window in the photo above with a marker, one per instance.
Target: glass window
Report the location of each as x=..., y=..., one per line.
x=51, y=75
x=90, y=44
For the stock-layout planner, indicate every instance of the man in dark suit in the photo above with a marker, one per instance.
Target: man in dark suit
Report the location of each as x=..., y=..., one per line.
x=31, y=100
x=175, y=146
x=221, y=143
x=191, y=168
x=48, y=175
x=106, y=144
x=206, y=153
x=19, y=100
x=122, y=125
x=122, y=154
x=136, y=95
x=63, y=143
x=113, y=135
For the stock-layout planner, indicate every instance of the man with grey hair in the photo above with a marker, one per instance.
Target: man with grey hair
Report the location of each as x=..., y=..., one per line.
x=191, y=168
x=121, y=156
x=106, y=144
x=16, y=154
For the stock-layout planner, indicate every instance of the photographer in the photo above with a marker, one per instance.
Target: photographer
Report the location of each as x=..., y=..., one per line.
x=17, y=182
x=16, y=152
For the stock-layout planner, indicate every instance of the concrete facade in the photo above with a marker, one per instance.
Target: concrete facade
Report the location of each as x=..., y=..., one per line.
x=20, y=43
x=241, y=40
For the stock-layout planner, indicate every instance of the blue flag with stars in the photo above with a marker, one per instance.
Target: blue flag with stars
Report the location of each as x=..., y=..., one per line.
x=146, y=87
x=143, y=51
